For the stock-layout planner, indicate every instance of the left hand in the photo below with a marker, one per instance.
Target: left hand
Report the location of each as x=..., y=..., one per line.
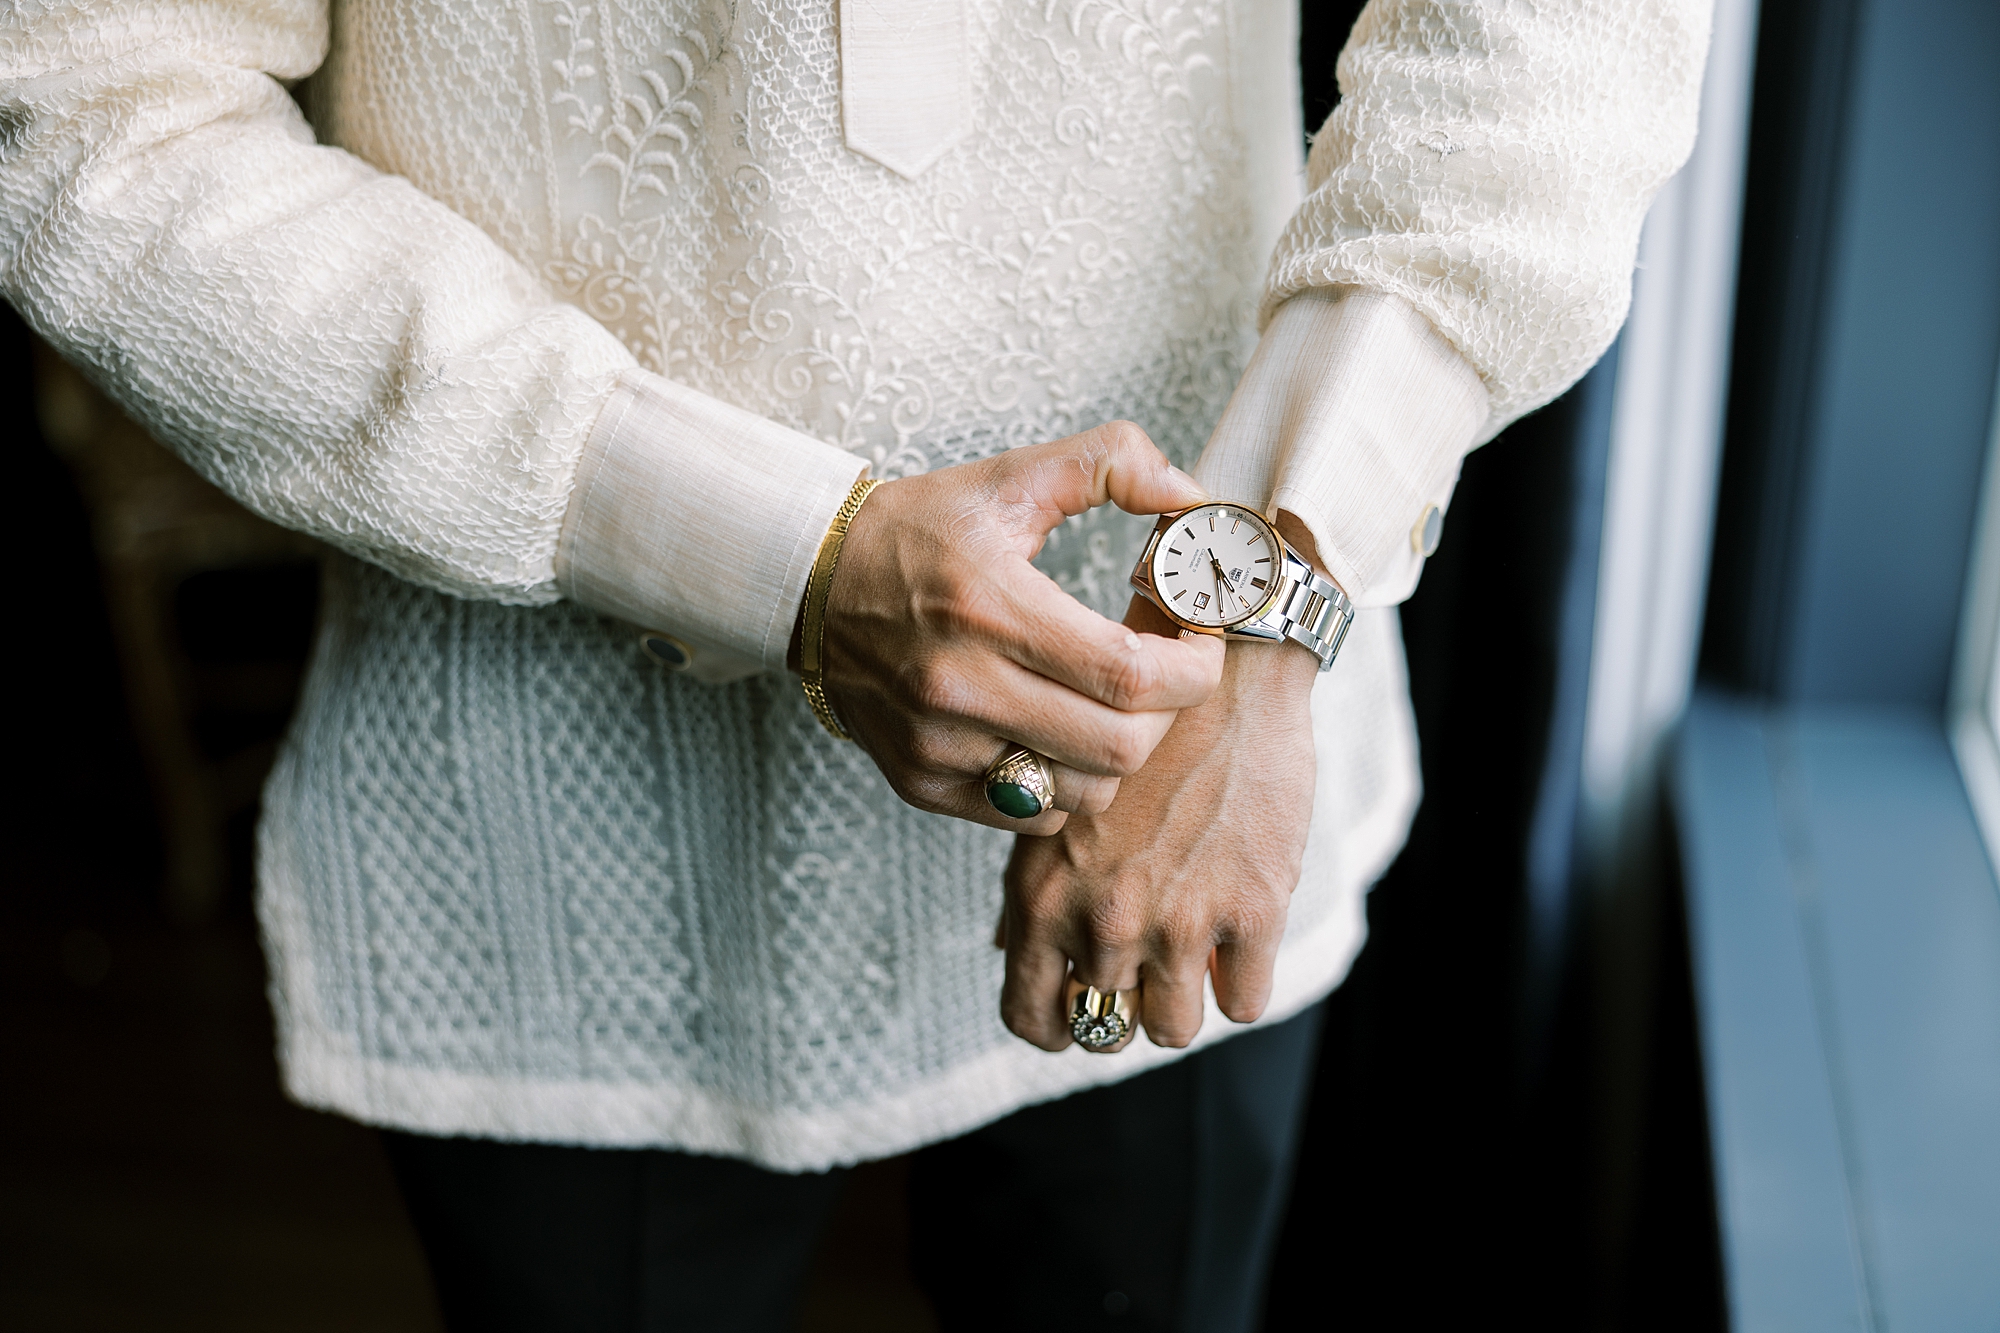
x=1191, y=868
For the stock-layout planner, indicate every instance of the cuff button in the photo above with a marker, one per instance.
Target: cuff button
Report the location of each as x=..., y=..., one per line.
x=665, y=649
x=1428, y=532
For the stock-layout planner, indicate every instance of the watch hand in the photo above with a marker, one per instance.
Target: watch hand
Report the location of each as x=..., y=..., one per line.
x=1222, y=581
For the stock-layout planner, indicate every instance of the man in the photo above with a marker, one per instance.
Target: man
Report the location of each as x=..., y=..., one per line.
x=581, y=339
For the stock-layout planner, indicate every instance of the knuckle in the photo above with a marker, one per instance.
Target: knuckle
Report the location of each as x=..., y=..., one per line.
x=1038, y=915
x=982, y=630
x=1018, y=1023
x=931, y=753
x=1024, y=1021
x=1261, y=918
x=1180, y=937
x=970, y=606
x=1131, y=681
x=934, y=689
x=1097, y=795
x=925, y=791
x=1122, y=436
x=1112, y=927
x=938, y=599
x=1127, y=748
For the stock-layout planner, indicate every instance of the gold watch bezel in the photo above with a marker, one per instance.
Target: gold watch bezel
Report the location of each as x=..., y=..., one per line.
x=1142, y=575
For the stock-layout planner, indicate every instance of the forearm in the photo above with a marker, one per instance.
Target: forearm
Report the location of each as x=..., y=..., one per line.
x=1464, y=254
x=1495, y=174
x=342, y=353
x=1274, y=675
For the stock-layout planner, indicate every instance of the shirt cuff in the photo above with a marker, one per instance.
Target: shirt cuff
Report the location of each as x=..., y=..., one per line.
x=700, y=520
x=1353, y=418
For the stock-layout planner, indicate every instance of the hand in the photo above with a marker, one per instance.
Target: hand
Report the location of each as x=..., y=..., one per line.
x=944, y=646
x=1190, y=870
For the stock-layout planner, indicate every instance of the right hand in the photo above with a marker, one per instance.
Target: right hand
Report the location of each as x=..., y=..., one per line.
x=944, y=646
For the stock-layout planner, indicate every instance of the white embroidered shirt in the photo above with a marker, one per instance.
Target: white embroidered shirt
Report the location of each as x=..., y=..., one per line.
x=564, y=317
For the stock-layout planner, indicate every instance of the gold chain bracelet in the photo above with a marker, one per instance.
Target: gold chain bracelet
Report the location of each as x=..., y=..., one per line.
x=812, y=633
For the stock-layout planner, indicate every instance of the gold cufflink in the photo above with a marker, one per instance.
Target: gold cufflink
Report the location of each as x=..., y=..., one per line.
x=1429, y=530
x=665, y=649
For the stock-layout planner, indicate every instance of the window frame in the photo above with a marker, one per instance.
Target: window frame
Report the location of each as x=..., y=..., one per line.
x=1974, y=713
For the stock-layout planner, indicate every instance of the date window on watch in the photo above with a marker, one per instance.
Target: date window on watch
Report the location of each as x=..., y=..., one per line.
x=1201, y=601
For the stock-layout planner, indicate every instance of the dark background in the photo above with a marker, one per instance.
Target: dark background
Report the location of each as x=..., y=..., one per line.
x=1483, y=1136
x=1460, y=1157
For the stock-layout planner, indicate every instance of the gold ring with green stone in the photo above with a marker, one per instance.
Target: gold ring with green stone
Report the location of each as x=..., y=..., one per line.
x=1020, y=784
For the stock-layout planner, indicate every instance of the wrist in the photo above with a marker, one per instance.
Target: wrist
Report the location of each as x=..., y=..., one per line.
x=1273, y=672
x=1300, y=538
x=1280, y=671
x=810, y=630
x=854, y=531
x=1142, y=615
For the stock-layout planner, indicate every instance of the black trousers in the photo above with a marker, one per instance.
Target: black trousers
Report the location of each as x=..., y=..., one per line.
x=1148, y=1204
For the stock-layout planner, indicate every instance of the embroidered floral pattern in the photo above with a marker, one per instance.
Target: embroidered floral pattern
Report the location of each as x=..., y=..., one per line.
x=836, y=326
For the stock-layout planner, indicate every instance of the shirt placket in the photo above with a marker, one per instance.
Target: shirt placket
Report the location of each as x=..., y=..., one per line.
x=904, y=96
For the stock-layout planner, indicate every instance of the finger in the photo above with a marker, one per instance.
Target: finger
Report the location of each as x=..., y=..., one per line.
x=962, y=798
x=1116, y=462
x=1131, y=1003
x=1031, y=996
x=968, y=704
x=1077, y=733
x=1242, y=969
x=1089, y=793
x=1054, y=635
x=973, y=752
x=1076, y=791
x=1104, y=945
x=1174, y=996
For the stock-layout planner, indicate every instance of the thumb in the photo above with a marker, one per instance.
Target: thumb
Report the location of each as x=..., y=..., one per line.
x=1113, y=463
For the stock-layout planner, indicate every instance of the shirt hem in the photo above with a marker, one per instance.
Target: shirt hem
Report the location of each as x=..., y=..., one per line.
x=601, y=1113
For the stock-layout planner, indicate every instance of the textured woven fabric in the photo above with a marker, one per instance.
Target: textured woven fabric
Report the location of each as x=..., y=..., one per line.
x=1492, y=163
x=516, y=881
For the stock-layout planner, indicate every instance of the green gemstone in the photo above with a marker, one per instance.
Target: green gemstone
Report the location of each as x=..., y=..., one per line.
x=1013, y=800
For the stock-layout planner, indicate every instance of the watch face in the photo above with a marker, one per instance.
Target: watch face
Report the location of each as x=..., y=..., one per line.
x=1216, y=566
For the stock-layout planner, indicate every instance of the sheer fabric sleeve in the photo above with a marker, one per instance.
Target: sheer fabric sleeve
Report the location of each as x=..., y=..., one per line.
x=342, y=353
x=1487, y=171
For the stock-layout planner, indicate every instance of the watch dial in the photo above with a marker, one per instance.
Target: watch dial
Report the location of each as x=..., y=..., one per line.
x=1216, y=566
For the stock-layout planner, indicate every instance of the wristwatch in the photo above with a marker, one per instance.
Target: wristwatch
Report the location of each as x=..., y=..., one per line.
x=1220, y=568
